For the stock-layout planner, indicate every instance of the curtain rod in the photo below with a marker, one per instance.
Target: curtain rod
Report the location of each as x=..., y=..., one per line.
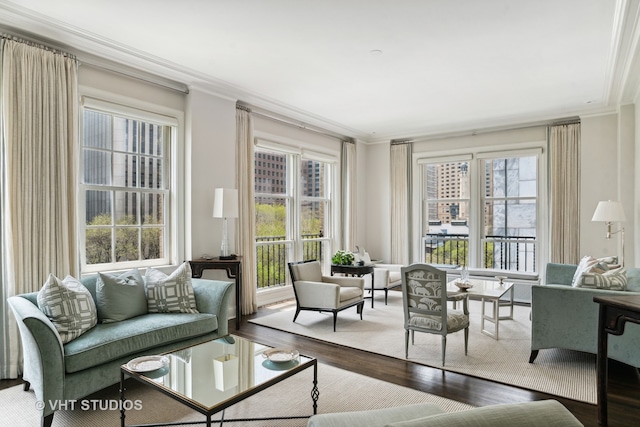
x=39, y=46
x=300, y=125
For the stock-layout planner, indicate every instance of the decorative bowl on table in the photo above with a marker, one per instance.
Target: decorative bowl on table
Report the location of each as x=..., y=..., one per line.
x=501, y=279
x=463, y=285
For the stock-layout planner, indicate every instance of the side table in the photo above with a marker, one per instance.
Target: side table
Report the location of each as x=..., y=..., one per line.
x=356, y=270
x=234, y=271
x=614, y=313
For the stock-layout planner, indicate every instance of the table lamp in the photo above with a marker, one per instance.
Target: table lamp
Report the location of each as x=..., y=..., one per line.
x=609, y=211
x=225, y=205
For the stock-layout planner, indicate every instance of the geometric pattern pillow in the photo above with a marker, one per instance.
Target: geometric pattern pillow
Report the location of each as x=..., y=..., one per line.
x=69, y=306
x=586, y=263
x=170, y=294
x=615, y=280
x=120, y=297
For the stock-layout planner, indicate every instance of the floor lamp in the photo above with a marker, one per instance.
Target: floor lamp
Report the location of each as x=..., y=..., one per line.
x=609, y=212
x=225, y=205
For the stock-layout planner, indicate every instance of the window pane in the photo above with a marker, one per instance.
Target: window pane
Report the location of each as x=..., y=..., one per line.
x=152, y=208
x=152, y=243
x=127, y=244
x=97, y=167
x=96, y=130
x=312, y=219
x=98, y=245
x=271, y=218
x=125, y=168
x=98, y=207
x=151, y=137
x=312, y=180
x=126, y=207
x=151, y=172
x=270, y=173
x=125, y=135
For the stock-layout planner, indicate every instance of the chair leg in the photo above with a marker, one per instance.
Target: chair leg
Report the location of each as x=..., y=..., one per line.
x=27, y=385
x=466, y=340
x=532, y=357
x=386, y=296
x=413, y=337
x=444, y=347
x=46, y=421
x=406, y=343
x=335, y=318
x=295, y=316
x=361, y=309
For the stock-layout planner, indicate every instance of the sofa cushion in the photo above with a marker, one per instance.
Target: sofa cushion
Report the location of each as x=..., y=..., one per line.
x=374, y=417
x=120, y=297
x=111, y=341
x=170, y=294
x=69, y=306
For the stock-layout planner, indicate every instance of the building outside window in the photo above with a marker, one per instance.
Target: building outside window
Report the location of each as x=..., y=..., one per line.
x=125, y=189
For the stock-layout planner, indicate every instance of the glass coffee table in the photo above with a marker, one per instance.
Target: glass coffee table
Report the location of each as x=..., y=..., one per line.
x=214, y=375
x=492, y=292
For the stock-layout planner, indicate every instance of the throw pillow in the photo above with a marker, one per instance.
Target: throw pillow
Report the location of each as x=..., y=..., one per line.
x=585, y=265
x=69, y=306
x=120, y=297
x=615, y=280
x=170, y=294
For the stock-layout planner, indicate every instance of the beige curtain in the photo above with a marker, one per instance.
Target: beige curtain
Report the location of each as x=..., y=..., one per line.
x=246, y=224
x=400, y=202
x=39, y=146
x=349, y=203
x=564, y=144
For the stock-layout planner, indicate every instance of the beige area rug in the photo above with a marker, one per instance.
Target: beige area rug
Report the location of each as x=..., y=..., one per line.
x=340, y=391
x=558, y=372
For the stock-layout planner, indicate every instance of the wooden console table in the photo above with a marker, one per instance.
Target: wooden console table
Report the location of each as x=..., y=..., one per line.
x=234, y=271
x=614, y=313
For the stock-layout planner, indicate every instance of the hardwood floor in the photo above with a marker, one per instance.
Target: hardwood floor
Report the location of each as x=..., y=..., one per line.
x=624, y=381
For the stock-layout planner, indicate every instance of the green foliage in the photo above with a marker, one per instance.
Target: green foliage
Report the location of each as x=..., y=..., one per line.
x=342, y=258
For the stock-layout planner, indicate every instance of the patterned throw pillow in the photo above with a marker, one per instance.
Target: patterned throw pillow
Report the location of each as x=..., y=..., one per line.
x=69, y=306
x=615, y=280
x=586, y=263
x=120, y=297
x=170, y=294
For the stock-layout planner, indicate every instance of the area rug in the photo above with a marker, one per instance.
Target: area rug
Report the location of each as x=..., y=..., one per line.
x=558, y=372
x=340, y=391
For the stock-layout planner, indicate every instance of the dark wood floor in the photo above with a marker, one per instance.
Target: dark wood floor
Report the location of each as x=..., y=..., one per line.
x=624, y=381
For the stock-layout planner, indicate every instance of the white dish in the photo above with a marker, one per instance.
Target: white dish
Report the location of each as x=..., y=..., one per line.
x=462, y=285
x=147, y=363
x=280, y=355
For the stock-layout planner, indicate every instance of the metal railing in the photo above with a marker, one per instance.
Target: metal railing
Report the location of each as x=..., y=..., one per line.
x=499, y=252
x=272, y=255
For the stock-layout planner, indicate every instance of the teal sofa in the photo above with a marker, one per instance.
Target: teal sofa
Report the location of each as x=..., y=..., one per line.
x=566, y=317
x=91, y=362
x=544, y=413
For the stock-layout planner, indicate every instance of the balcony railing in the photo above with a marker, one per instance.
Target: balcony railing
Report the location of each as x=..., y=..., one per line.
x=272, y=255
x=499, y=252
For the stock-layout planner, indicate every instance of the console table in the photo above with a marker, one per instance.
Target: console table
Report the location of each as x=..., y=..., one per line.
x=614, y=313
x=234, y=271
x=357, y=271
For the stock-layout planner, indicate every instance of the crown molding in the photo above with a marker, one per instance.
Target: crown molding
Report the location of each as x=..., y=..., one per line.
x=624, y=63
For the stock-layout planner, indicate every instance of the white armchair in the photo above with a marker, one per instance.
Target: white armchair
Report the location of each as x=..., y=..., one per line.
x=386, y=276
x=316, y=292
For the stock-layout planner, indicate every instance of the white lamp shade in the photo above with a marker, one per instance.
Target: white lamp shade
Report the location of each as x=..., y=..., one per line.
x=225, y=203
x=609, y=212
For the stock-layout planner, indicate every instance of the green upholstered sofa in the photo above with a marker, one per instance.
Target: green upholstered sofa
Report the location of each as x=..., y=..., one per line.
x=544, y=413
x=91, y=362
x=566, y=317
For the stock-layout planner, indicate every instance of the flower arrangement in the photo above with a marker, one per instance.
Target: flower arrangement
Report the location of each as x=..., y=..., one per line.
x=342, y=258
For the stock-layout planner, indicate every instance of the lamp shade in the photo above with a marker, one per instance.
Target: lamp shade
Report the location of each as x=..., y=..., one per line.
x=609, y=211
x=225, y=203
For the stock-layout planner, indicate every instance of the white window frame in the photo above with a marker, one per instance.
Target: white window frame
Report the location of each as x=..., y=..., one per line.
x=476, y=217
x=173, y=183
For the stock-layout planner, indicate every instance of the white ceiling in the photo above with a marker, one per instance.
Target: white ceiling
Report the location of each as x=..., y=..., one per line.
x=445, y=65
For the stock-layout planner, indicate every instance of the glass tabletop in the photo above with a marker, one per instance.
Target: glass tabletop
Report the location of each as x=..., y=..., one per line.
x=485, y=288
x=214, y=372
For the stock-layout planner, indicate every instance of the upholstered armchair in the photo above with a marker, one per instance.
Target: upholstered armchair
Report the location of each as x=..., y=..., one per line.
x=424, y=294
x=316, y=292
x=386, y=276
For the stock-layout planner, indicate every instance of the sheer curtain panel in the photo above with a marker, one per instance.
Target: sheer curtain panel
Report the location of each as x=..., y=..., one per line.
x=349, y=204
x=400, y=196
x=564, y=157
x=39, y=154
x=246, y=223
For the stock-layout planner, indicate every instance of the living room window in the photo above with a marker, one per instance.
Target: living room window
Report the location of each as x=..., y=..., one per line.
x=125, y=191
x=293, y=211
x=481, y=210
